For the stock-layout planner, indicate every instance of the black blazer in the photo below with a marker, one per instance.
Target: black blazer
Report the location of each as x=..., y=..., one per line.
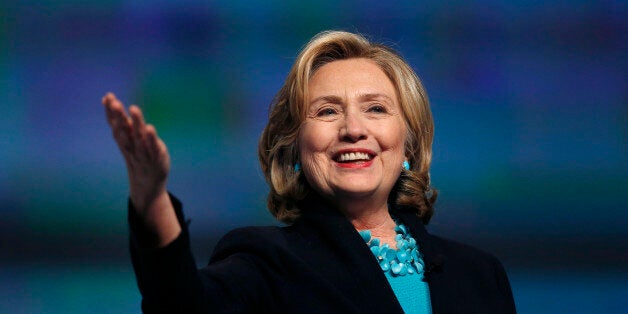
x=319, y=264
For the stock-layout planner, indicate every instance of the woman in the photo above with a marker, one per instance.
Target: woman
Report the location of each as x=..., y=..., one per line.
x=346, y=153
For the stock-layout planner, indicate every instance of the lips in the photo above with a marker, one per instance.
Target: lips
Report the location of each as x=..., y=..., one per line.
x=354, y=158
x=349, y=157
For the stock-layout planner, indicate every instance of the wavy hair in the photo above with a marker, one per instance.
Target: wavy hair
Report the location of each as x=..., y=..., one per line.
x=278, y=149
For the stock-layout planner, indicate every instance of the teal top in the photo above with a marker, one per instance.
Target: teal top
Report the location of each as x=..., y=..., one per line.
x=404, y=268
x=412, y=293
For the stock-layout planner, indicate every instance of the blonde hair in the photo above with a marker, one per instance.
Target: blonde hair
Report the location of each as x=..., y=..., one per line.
x=278, y=151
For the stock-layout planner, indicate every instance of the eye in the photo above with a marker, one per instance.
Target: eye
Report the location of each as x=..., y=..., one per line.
x=377, y=108
x=326, y=112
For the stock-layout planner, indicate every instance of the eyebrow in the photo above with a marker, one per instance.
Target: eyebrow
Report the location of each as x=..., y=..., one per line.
x=338, y=100
x=326, y=99
x=374, y=96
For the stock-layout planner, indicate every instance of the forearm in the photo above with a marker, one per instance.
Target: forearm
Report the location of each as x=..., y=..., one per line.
x=157, y=223
x=167, y=276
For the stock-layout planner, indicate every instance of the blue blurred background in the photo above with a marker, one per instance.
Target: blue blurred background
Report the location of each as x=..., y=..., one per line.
x=529, y=99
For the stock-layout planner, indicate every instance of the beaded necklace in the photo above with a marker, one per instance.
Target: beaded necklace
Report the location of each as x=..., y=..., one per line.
x=406, y=259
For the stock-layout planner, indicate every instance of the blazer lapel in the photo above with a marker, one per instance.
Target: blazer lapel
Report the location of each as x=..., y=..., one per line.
x=434, y=260
x=373, y=293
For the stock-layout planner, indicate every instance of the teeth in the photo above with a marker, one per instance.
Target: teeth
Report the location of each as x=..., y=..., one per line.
x=354, y=156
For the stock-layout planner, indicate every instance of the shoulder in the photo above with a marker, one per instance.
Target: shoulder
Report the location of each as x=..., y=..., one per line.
x=253, y=234
x=465, y=257
x=450, y=252
x=260, y=241
x=460, y=250
x=475, y=277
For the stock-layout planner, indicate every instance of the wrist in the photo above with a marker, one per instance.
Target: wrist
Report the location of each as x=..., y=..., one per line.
x=158, y=221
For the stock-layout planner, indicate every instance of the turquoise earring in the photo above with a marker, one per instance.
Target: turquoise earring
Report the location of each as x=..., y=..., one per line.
x=297, y=167
x=406, y=165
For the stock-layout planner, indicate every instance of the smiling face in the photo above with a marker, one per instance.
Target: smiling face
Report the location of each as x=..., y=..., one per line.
x=351, y=144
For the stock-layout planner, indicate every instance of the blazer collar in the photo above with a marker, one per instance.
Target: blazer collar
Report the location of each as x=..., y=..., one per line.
x=375, y=294
x=435, y=260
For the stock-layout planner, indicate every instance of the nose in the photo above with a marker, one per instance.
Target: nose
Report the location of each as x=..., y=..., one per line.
x=353, y=128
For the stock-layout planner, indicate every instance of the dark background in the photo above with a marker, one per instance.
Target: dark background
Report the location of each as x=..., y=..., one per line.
x=529, y=100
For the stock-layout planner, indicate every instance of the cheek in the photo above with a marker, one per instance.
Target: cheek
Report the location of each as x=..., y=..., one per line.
x=306, y=143
x=394, y=149
x=314, y=138
x=394, y=139
x=311, y=146
x=311, y=154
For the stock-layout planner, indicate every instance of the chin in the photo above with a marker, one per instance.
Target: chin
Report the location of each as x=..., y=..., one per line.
x=353, y=191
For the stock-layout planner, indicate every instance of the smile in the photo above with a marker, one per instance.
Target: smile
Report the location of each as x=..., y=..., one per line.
x=357, y=156
x=353, y=159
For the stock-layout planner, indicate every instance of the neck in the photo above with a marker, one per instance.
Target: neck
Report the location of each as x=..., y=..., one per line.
x=364, y=215
x=382, y=228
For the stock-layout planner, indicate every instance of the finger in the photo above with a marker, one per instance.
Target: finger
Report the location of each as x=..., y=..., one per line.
x=122, y=135
x=120, y=124
x=116, y=115
x=107, y=98
x=152, y=142
x=139, y=125
x=111, y=104
x=139, y=132
x=157, y=148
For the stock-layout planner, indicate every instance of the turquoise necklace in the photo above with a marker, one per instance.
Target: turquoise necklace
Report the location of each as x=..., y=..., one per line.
x=406, y=259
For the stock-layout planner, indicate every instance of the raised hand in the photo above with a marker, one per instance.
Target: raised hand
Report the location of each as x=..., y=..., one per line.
x=148, y=163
